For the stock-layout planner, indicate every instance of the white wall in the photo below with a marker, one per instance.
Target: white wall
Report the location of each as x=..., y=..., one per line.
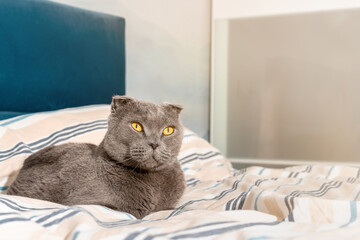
x=167, y=52
x=248, y=8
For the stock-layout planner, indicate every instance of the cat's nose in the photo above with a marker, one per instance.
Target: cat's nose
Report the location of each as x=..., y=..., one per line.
x=153, y=145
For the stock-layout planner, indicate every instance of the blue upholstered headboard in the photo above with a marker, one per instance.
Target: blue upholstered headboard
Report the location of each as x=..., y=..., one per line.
x=54, y=56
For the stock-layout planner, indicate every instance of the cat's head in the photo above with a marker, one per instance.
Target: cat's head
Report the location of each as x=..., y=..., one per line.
x=143, y=134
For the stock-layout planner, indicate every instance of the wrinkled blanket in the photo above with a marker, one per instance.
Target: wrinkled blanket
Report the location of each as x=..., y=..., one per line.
x=302, y=202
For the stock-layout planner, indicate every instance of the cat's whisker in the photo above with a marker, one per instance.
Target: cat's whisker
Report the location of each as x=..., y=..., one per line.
x=137, y=167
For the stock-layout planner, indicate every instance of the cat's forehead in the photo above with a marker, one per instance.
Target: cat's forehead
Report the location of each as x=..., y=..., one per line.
x=150, y=112
x=148, y=109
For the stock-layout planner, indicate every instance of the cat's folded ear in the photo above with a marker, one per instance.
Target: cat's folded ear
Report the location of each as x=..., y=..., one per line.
x=118, y=101
x=175, y=107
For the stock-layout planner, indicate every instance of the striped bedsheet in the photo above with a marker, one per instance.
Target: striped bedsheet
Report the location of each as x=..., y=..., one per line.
x=302, y=202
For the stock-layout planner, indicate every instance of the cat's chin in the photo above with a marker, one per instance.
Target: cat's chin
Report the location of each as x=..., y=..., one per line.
x=150, y=164
x=153, y=164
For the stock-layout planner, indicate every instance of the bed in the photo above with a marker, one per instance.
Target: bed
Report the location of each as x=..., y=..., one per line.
x=300, y=202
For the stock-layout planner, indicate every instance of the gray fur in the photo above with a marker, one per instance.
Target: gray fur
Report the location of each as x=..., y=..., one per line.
x=124, y=172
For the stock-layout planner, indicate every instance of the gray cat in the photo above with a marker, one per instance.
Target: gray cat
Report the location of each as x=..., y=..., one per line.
x=134, y=169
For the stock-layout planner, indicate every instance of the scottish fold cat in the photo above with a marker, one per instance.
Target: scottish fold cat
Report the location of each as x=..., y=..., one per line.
x=134, y=169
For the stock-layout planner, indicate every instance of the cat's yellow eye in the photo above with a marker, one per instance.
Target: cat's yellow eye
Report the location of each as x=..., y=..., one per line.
x=168, y=131
x=136, y=126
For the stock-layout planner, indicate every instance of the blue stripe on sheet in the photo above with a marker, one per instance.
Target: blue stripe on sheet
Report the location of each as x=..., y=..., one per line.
x=74, y=134
x=260, y=238
x=179, y=209
x=215, y=186
x=53, y=218
x=16, y=119
x=53, y=135
x=223, y=230
x=221, y=195
x=230, y=205
x=72, y=211
x=3, y=188
x=324, y=188
x=217, y=228
x=52, y=143
x=43, y=219
x=328, y=174
x=211, y=224
x=233, y=203
x=76, y=209
x=261, y=171
x=277, y=188
x=135, y=234
x=356, y=197
x=58, y=139
x=287, y=185
x=56, y=221
x=15, y=219
x=195, y=154
x=199, y=156
x=72, y=128
x=192, y=182
x=76, y=234
x=15, y=206
x=256, y=200
x=167, y=235
x=353, y=214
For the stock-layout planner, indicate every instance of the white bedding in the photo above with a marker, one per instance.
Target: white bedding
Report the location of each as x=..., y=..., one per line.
x=303, y=202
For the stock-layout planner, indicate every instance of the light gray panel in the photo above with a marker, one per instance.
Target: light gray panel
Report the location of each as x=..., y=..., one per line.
x=294, y=87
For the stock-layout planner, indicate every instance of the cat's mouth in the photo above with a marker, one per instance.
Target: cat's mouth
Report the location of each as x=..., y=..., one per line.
x=149, y=159
x=150, y=163
x=153, y=161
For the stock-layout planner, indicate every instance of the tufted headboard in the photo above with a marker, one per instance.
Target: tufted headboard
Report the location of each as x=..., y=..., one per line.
x=54, y=56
